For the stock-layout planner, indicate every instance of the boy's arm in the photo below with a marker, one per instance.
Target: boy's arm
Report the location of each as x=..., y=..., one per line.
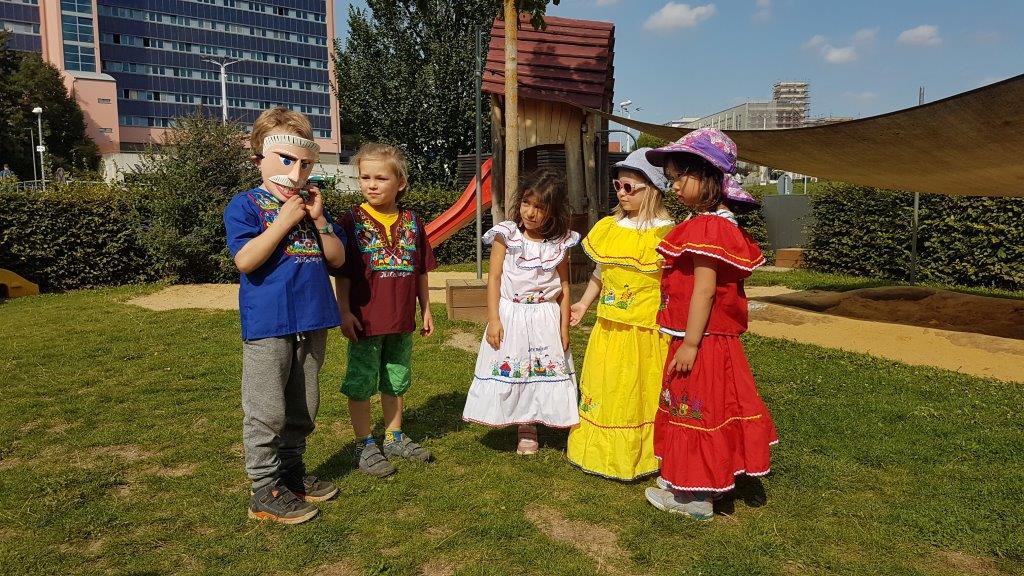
x=423, y=290
x=563, y=301
x=334, y=249
x=349, y=323
x=258, y=250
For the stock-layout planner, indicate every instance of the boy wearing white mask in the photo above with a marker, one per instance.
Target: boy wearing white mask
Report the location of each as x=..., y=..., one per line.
x=282, y=241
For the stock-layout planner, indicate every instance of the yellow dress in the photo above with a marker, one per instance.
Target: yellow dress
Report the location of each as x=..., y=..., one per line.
x=622, y=370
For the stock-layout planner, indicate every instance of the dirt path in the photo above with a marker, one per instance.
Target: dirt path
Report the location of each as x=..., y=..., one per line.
x=970, y=334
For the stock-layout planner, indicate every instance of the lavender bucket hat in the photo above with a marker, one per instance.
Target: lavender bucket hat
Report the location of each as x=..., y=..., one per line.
x=708, y=143
x=735, y=193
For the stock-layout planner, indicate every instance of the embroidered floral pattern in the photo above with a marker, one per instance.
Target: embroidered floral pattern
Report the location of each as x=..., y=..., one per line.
x=587, y=404
x=535, y=366
x=681, y=406
x=396, y=255
x=623, y=301
x=529, y=298
x=301, y=243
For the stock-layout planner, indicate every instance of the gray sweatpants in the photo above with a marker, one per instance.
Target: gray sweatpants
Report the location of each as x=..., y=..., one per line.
x=280, y=398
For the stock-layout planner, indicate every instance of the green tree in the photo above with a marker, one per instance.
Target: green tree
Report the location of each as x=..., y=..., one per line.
x=406, y=76
x=27, y=81
x=650, y=141
x=187, y=182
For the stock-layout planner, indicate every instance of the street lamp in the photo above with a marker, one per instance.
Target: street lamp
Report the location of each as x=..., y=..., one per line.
x=625, y=106
x=38, y=111
x=32, y=154
x=223, y=82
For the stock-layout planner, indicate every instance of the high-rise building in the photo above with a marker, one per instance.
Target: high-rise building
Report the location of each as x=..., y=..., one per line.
x=793, y=103
x=134, y=66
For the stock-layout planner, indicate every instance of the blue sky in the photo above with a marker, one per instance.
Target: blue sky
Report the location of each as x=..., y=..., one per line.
x=862, y=57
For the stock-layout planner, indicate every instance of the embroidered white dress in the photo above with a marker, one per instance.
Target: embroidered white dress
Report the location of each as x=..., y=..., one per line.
x=529, y=379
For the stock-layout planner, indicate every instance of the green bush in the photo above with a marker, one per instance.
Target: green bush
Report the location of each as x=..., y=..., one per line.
x=73, y=236
x=967, y=241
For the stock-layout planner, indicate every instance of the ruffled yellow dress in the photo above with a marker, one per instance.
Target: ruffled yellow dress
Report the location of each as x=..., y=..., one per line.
x=622, y=370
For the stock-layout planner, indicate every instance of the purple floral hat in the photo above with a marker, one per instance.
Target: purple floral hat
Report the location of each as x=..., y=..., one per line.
x=708, y=143
x=733, y=192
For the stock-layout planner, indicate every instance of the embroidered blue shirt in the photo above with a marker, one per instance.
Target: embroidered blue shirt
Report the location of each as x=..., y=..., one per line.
x=291, y=292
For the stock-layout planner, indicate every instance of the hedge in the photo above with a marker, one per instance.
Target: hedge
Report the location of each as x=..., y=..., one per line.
x=76, y=236
x=966, y=241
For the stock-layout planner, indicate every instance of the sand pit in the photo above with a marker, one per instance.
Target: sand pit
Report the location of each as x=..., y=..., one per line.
x=924, y=307
x=928, y=328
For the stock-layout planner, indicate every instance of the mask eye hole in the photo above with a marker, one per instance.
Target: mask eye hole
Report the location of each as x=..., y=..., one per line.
x=286, y=161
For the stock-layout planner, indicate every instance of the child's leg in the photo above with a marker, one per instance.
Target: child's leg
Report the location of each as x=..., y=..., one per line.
x=302, y=400
x=395, y=379
x=266, y=364
x=361, y=383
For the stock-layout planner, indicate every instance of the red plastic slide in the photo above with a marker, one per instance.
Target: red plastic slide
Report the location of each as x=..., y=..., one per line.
x=463, y=211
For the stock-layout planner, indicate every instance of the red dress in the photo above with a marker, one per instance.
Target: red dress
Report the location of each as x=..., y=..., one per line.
x=711, y=424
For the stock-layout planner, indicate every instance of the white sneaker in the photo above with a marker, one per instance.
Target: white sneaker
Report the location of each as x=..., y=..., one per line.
x=681, y=503
x=662, y=483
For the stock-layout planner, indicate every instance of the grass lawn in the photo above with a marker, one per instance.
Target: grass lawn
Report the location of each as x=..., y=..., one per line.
x=120, y=436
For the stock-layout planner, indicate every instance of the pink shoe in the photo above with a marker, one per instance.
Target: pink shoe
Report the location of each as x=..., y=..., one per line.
x=528, y=444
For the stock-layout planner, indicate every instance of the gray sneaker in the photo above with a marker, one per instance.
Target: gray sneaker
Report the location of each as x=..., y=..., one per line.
x=680, y=503
x=407, y=449
x=370, y=460
x=278, y=503
x=310, y=488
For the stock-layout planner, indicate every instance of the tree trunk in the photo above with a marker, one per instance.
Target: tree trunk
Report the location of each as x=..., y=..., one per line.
x=511, y=102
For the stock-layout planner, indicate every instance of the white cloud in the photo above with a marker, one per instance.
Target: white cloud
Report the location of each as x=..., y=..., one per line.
x=816, y=41
x=865, y=36
x=607, y=2
x=834, y=55
x=923, y=35
x=764, y=10
x=840, y=54
x=673, y=16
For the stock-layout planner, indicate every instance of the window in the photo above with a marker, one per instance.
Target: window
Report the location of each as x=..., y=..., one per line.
x=81, y=58
x=76, y=29
x=80, y=6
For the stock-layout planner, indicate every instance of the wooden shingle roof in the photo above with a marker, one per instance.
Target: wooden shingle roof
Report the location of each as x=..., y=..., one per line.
x=570, y=61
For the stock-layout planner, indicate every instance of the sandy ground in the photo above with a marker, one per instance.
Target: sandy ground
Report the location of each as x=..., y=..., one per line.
x=975, y=335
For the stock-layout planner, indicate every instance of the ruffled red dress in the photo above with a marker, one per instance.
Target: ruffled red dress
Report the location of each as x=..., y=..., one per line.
x=711, y=424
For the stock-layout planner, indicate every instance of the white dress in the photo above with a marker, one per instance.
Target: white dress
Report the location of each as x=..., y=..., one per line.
x=529, y=379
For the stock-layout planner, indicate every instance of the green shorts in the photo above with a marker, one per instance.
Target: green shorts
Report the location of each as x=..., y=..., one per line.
x=378, y=364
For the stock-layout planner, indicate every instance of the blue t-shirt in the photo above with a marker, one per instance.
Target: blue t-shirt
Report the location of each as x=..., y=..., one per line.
x=291, y=292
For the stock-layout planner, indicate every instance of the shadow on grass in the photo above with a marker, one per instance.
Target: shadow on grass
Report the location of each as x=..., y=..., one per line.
x=749, y=490
x=438, y=416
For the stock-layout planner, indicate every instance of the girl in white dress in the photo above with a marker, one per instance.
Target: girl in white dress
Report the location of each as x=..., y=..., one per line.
x=524, y=371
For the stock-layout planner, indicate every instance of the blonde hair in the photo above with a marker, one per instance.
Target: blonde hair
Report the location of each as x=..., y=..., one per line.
x=386, y=153
x=278, y=118
x=652, y=203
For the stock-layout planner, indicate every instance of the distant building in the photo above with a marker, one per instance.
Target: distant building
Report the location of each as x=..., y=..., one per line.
x=823, y=120
x=135, y=66
x=789, y=107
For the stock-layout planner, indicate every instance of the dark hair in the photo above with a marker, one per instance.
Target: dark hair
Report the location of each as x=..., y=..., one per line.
x=550, y=190
x=711, y=179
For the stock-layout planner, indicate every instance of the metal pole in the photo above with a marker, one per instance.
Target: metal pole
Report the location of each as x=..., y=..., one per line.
x=32, y=139
x=224, y=90
x=479, y=154
x=917, y=203
x=42, y=166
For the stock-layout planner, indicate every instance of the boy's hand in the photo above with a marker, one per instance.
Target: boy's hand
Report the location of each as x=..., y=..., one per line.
x=495, y=334
x=315, y=205
x=576, y=312
x=683, y=359
x=292, y=211
x=428, y=323
x=349, y=325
